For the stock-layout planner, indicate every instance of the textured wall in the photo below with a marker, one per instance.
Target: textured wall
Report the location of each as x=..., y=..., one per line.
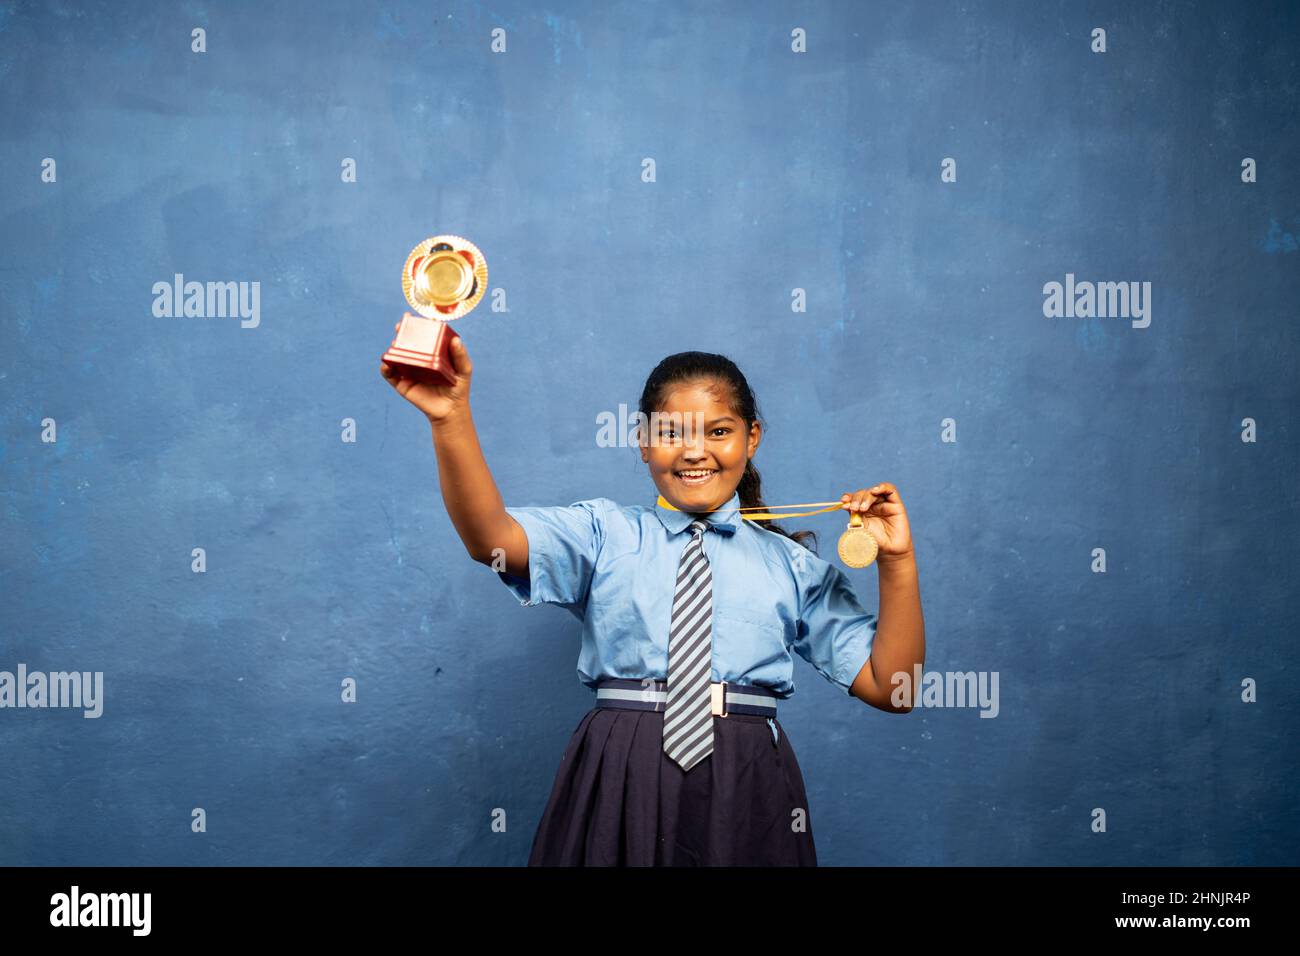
x=774, y=171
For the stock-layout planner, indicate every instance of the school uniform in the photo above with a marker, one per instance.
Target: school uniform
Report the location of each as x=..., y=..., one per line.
x=618, y=797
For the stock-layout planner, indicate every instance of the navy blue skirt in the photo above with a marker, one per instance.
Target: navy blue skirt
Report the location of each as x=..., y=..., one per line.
x=619, y=800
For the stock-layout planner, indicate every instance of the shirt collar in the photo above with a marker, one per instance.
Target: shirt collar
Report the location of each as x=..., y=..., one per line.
x=726, y=519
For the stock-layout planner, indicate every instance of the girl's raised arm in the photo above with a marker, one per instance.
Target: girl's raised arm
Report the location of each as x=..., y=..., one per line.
x=471, y=496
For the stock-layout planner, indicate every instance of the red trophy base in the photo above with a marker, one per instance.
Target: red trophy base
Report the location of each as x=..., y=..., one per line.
x=424, y=344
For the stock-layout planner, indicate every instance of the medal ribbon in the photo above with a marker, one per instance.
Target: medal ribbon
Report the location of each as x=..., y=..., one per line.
x=767, y=515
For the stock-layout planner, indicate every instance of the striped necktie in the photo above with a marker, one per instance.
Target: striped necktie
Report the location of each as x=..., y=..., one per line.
x=688, y=713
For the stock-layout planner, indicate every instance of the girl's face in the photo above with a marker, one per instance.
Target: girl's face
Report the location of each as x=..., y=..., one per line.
x=696, y=433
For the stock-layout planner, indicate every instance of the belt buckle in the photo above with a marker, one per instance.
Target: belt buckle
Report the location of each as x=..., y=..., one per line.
x=718, y=690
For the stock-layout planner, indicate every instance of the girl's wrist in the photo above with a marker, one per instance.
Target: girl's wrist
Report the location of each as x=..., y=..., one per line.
x=449, y=423
x=900, y=558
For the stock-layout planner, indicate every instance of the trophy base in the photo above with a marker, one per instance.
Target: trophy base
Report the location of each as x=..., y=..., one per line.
x=424, y=344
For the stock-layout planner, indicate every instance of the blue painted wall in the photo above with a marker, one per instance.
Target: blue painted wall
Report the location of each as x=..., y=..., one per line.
x=775, y=171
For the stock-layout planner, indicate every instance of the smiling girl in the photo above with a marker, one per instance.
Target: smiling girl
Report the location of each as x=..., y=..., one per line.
x=689, y=616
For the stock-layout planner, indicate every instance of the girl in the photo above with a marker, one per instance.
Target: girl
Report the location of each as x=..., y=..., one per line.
x=689, y=615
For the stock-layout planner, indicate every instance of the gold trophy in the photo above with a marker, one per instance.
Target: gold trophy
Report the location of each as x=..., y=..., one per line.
x=444, y=278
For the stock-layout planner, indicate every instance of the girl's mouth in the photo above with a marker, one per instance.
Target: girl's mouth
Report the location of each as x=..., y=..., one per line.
x=695, y=476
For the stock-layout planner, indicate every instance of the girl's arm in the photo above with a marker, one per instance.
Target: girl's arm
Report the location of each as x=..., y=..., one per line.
x=899, y=644
x=473, y=502
x=471, y=496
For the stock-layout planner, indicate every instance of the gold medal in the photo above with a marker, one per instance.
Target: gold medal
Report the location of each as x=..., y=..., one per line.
x=858, y=546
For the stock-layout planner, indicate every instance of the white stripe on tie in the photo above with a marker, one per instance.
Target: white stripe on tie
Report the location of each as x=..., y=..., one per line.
x=688, y=713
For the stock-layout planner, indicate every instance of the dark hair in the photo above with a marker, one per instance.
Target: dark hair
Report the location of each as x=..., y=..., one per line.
x=713, y=369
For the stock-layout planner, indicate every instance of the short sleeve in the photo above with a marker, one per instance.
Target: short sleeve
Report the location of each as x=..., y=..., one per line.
x=834, y=633
x=563, y=543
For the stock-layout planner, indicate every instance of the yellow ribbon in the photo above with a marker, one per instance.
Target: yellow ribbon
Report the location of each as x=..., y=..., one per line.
x=767, y=515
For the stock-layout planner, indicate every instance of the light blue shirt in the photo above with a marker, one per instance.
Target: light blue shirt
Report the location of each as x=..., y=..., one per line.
x=614, y=567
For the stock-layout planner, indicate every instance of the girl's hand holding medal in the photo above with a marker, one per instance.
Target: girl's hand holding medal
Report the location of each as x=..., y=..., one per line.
x=877, y=527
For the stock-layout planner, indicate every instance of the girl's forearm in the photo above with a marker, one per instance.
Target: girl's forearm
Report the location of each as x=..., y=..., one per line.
x=473, y=502
x=900, y=633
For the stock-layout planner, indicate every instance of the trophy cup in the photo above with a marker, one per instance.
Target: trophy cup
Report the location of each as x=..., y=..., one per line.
x=444, y=277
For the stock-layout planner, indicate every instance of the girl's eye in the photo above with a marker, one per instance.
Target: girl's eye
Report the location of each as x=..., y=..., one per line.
x=672, y=432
